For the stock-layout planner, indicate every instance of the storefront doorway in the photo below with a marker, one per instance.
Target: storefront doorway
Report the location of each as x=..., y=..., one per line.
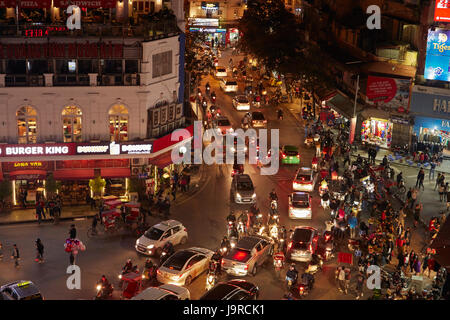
x=28, y=191
x=377, y=131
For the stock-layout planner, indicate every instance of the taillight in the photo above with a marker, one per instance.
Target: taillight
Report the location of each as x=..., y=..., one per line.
x=327, y=237
x=185, y=229
x=298, y=156
x=283, y=155
x=246, y=267
x=222, y=262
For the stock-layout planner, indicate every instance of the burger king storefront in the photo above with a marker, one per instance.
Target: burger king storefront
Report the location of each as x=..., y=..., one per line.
x=72, y=165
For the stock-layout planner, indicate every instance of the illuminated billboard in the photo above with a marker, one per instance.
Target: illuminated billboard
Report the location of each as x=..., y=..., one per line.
x=442, y=11
x=437, y=62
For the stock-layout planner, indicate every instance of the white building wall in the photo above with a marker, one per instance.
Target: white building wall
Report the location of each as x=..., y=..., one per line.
x=94, y=101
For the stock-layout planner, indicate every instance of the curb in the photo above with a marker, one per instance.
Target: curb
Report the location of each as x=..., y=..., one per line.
x=44, y=221
x=199, y=182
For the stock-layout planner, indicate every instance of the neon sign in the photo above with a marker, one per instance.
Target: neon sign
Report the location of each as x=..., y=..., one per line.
x=37, y=33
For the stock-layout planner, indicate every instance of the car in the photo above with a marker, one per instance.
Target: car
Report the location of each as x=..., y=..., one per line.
x=303, y=244
x=249, y=253
x=258, y=120
x=164, y=292
x=20, y=290
x=220, y=72
x=228, y=85
x=241, y=103
x=232, y=290
x=223, y=125
x=242, y=189
x=289, y=155
x=154, y=239
x=305, y=180
x=184, y=266
x=300, y=205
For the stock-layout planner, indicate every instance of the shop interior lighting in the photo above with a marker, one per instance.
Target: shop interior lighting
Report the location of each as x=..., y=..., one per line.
x=14, y=191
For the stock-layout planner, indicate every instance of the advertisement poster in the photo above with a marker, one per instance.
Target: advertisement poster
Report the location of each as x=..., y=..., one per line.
x=442, y=10
x=388, y=92
x=437, y=61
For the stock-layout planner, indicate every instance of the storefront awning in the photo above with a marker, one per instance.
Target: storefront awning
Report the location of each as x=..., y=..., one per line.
x=27, y=174
x=323, y=93
x=115, y=172
x=74, y=174
x=342, y=105
x=163, y=160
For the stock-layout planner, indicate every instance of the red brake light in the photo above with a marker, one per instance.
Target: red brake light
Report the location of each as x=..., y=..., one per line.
x=298, y=156
x=246, y=267
x=283, y=155
x=185, y=229
x=327, y=237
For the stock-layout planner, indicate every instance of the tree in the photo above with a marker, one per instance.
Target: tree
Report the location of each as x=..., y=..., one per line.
x=51, y=185
x=270, y=32
x=194, y=40
x=97, y=184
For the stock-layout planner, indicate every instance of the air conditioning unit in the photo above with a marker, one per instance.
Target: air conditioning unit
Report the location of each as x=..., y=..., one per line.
x=108, y=80
x=138, y=162
x=135, y=171
x=130, y=79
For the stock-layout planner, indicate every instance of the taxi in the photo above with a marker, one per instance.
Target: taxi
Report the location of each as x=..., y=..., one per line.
x=20, y=290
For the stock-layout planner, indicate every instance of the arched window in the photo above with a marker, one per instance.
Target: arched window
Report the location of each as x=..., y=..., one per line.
x=71, y=118
x=27, y=124
x=118, y=123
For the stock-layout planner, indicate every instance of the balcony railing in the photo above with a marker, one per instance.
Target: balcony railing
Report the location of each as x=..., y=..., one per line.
x=24, y=80
x=148, y=30
x=70, y=80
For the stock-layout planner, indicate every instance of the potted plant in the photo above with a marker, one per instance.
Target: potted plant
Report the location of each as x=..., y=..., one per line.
x=97, y=186
x=51, y=186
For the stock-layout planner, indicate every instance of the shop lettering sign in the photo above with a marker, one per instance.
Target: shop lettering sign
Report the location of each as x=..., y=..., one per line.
x=115, y=148
x=36, y=164
x=445, y=124
x=441, y=105
x=15, y=151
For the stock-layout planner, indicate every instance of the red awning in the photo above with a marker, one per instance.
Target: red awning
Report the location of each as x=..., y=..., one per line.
x=86, y=3
x=73, y=174
x=26, y=4
x=163, y=160
x=115, y=172
x=27, y=174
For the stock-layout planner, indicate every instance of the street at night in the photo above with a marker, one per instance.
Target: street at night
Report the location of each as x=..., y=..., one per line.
x=100, y=196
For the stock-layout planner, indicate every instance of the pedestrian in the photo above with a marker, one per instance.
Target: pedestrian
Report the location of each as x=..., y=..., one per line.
x=341, y=279
x=40, y=251
x=71, y=258
x=15, y=255
x=188, y=181
x=183, y=183
x=413, y=198
x=417, y=266
x=438, y=181
x=352, y=223
x=425, y=263
x=407, y=237
x=348, y=276
x=166, y=207
x=94, y=224
x=420, y=178
x=401, y=259
x=38, y=213
x=174, y=191
x=442, y=188
x=417, y=211
x=72, y=232
x=432, y=169
x=359, y=285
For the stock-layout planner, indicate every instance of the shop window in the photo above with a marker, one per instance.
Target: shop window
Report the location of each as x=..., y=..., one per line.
x=71, y=117
x=37, y=66
x=15, y=67
x=112, y=66
x=87, y=66
x=27, y=124
x=131, y=66
x=162, y=64
x=118, y=123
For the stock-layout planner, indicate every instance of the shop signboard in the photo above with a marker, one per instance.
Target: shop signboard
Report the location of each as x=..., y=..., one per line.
x=433, y=102
x=210, y=5
x=209, y=22
x=113, y=148
x=437, y=61
x=388, y=92
x=24, y=150
x=442, y=11
x=431, y=123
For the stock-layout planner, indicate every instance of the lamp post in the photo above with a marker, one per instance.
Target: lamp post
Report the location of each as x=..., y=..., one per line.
x=351, y=137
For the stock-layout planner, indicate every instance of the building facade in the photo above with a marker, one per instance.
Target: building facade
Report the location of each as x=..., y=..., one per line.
x=100, y=101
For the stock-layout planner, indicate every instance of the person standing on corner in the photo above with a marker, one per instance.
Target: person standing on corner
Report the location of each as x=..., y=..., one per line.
x=40, y=251
x=72, y=232
x=16, y=256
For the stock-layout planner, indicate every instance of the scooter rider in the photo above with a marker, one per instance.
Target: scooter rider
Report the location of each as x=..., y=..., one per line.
x=280, y=114
x=231, y=218
x=213, y=95
x=291, y=277
x=207, y=87
x=243, y=217
x=273, y=195
x=216, y=259
x=106, y=286
x=225, y=244
x=168, y=248
x=128, y=267
x=308, y=280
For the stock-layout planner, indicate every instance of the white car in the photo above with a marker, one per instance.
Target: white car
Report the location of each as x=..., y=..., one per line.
x=152, y=241
x=164, y=292
x=305, y=180
x=228, y=85
x=184, y=265
x=300, y=205
x=241, y=103
x=220, y=72
x=223, y=125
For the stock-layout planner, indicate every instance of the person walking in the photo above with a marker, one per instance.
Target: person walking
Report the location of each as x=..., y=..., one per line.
x=38, y=213
x=420, y=178
x=359, y=285
x=40, y=251
x=417, y=212
x=348, y=276
x=72, y=232
x=174, y=191
x=16, y=256
x=441, y=190
x=340, y=279
x=352, y=223
x=438, y=180
x=432, y=169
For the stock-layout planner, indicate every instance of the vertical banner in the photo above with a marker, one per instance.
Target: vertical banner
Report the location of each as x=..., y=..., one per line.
x=351, y=136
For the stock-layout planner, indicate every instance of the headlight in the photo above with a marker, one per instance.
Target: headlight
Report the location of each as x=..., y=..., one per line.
x=233, y=149
x=231, y=130
x=245, y=149
x=238, y=195
x=254, y=195
x=150, y=246
x=99, y=287
x=233, y=245
x=120, y=276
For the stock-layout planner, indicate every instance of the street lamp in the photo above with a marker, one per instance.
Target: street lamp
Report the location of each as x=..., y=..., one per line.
x=351, y=137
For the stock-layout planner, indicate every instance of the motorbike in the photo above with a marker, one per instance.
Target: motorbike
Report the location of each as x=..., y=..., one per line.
x=274, y=232
x=233, y=241
x=236, y=171
x=164, y=255
x=315, y=264
x=241, y=229
x=273, y=219
x=280, y=116
x=103, y=292
x=231, y=226
x=309, y=142
x=329, y=245
x=149, y=274
x=211, y=279
x=213, y=98
x=278, y=263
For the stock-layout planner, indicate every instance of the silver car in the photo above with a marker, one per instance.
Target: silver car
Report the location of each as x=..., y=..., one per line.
x=242, y=189
x=303, y=244
x=249, y=253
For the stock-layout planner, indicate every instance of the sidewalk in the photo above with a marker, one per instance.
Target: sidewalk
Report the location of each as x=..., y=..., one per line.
x=18, y=216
